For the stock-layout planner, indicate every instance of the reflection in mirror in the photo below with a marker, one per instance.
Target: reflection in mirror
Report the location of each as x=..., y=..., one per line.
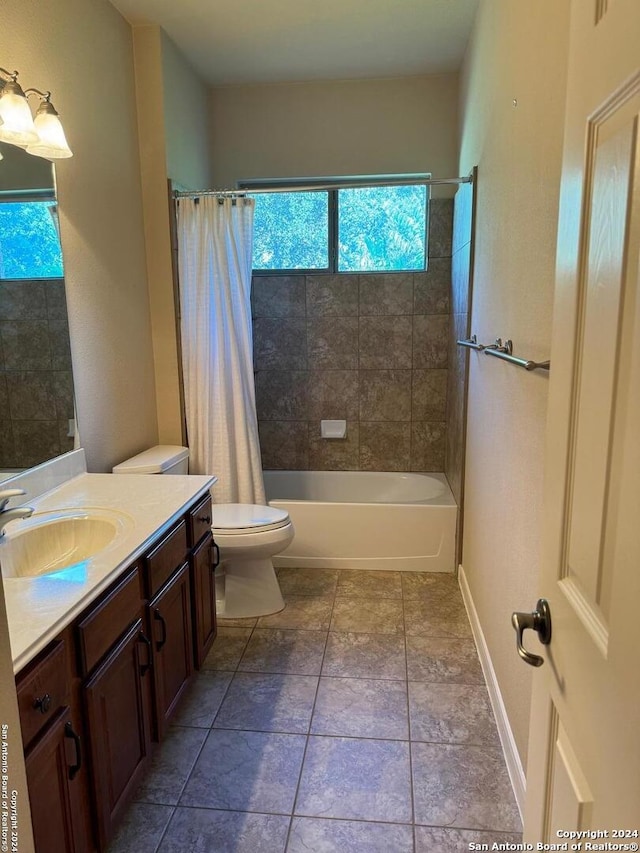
x=36, y=384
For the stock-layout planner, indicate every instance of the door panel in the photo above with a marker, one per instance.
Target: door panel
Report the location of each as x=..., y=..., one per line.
x=602, y=288
x=584, y=746
x=571, y=798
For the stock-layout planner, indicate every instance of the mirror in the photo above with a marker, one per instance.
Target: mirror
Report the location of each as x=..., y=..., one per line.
x=36, y=383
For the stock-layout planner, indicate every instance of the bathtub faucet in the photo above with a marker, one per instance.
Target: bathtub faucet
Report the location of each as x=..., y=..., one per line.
x=6, y=514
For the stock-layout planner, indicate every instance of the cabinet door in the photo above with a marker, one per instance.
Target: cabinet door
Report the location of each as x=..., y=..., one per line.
x=59, y=812
x=170, y=616
x=118, y=715
x=204, y=599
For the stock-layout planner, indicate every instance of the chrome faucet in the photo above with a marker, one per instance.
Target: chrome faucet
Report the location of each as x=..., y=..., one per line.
x=16, y=511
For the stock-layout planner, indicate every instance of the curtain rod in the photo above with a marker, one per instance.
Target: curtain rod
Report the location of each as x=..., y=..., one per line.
x=335, y=185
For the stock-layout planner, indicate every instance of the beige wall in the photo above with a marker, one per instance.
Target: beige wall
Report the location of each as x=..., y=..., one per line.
x=354, y=127
x=153, y=171
x=186, y=120
x=518, y=51
x=81, y=50
x=174, y=143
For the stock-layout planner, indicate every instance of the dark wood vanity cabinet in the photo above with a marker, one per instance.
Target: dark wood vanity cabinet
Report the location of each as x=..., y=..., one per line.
x=92, y=703
x=204, y=598
x=202, y=578
x=199, y=521
x=169, y=613
x=55, y=751
x=59, y=809
x=118, y=714
x=170, y=617
x=115, y=663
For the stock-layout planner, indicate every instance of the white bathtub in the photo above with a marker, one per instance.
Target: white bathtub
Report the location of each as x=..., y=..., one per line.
x=366, y=520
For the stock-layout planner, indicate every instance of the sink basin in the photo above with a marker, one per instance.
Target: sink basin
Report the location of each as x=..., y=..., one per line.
x=50, y=542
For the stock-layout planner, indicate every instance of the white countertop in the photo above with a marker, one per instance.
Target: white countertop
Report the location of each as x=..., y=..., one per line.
x=39, y=608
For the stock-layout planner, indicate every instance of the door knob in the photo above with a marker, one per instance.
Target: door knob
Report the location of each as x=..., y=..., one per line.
x=540, y=622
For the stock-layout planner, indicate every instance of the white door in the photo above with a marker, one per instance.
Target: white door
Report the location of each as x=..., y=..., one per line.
x=584, y=748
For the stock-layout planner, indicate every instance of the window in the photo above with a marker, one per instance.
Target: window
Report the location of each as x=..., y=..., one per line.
x=362, y=228
x=29, y=241
x=290, y=231
x=382, y=228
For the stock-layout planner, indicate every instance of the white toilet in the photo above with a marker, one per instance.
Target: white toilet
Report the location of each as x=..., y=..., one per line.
x=247, y=535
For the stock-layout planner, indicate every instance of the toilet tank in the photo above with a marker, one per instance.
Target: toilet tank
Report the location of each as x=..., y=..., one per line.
x=161, y=459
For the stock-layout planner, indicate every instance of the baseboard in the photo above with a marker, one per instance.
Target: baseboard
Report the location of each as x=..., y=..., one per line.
x=397, y=564
x=512, y=758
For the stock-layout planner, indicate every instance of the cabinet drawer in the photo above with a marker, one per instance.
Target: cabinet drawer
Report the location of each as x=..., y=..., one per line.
x=200, y=521
x=108, y=620
x=166, y=558
x=42, y=690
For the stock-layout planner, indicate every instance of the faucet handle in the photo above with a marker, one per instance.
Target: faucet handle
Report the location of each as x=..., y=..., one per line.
x=7, y=494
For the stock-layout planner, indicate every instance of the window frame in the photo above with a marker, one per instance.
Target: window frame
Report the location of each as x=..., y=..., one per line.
x=332, y=187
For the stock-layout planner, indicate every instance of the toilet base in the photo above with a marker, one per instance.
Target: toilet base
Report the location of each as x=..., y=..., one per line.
x=250, y=589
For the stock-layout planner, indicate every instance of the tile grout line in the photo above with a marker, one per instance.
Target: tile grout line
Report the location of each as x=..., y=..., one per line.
x=165, y=830
x=195, y=761
x=406, y=664
x=235, y=670
x=209, y=729
x=386, y=739
x=313, y=708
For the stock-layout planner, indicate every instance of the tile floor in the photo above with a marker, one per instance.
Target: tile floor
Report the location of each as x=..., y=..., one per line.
x=354, y=721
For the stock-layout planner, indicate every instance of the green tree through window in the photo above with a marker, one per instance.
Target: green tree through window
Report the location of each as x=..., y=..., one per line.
x=382, y=228
x=363, y=229
x=29, y=241
x=290, y=231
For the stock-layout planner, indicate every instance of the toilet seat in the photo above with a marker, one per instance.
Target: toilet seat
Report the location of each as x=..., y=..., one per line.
x=230, y=519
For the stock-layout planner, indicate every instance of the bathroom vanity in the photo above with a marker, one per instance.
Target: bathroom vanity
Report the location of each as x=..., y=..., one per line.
x=103, y=651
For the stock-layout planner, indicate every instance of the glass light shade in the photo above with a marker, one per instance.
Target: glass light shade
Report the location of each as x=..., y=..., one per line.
x=52, y=142
x=17, y=124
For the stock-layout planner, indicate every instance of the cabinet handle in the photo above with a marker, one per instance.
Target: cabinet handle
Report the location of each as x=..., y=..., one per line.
x=142, y=638
x=205, y=519
x=216, y=555
x=69, y=732
x=42, y=704
x=157, y=615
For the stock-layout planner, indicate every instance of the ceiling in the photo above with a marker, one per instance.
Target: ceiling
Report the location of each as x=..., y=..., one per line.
x=267, y=41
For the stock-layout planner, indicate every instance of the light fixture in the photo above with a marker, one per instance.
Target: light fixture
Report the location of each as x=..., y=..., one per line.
x=42, y=137
x=51, y=139
x=17, y=124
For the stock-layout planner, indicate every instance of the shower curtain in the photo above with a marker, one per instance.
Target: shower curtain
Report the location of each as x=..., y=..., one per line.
x=215, y=242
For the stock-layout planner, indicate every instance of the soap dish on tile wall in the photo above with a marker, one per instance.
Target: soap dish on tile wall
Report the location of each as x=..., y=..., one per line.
x=333, y=429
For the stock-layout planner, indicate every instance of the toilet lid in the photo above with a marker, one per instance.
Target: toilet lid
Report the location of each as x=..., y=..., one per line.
x=239, y=518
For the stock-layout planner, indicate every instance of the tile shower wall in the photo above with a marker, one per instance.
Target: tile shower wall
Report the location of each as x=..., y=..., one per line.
x=372, y=349
x=36, y=385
